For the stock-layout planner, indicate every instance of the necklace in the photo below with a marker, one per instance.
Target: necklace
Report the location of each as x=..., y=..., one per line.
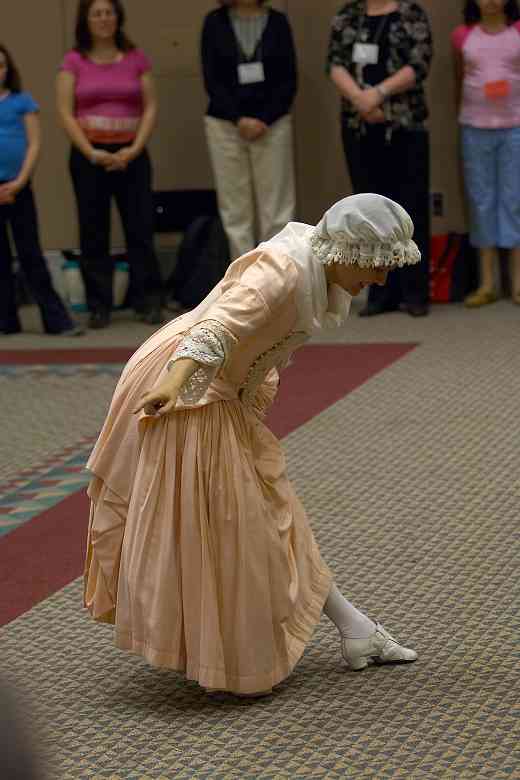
x=116, y=56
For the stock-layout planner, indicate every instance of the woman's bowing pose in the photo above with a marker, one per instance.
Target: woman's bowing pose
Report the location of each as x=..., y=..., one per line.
x=199, y=551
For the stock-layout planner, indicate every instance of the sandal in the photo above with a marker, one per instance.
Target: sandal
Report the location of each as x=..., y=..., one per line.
x=480, y=298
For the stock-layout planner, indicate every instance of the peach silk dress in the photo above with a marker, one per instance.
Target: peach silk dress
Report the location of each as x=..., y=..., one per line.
x=199, y=551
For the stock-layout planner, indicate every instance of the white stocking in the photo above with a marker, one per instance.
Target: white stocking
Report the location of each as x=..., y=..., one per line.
x=349, y=621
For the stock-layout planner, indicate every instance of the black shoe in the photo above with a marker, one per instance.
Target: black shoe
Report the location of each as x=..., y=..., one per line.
x=417, y=309
x=99, y=319
x=74, y=330
x=10, y=331
x=372, y=310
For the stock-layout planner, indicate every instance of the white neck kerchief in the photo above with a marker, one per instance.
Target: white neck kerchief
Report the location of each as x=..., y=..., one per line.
x=320, y=306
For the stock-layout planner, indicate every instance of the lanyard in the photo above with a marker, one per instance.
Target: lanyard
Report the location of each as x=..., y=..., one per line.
x=360, y=68
x=379, y=32
x=257, y=56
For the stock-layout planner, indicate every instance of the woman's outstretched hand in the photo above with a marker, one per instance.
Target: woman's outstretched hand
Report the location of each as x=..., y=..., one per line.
x=161, y=400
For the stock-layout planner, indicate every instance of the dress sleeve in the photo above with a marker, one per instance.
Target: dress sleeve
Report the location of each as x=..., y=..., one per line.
x=420, y=43
x=71, y=62
x=458, y=37
x=223, y=94
x=29, y=104
x=282, y=94
x=209, y=344
x=246, y=305
x=417, y=44
x=341, y=41
x=143, y=62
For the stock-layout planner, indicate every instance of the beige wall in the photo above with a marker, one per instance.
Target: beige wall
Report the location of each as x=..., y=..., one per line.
x=445, y=15
x=170, y=34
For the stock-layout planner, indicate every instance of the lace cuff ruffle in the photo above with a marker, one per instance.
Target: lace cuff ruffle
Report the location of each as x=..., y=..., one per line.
x=208, y=343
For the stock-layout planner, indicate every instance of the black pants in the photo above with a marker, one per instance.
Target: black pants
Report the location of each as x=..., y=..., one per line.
x=400, y=170
x=22, y=218
x=132, y=190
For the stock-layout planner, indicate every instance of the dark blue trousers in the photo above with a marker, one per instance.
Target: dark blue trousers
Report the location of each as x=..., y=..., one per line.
x=22, y=219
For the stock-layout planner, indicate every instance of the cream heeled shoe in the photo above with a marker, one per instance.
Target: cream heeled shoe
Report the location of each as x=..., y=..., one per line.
x=380, y=646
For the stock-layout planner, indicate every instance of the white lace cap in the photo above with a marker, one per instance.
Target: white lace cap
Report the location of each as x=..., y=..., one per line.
x=369, y=230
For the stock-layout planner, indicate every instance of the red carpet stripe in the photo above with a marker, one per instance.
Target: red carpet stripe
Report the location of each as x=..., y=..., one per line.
x=47, y=552
x=322, y=375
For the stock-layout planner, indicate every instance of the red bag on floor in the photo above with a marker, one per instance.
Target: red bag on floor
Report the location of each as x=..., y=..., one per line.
x=453, y=268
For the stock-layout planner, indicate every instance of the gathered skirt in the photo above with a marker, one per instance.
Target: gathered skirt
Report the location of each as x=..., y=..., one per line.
x=199, y=551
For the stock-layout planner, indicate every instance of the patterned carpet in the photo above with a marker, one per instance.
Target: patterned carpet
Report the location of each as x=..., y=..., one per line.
x=412, y=484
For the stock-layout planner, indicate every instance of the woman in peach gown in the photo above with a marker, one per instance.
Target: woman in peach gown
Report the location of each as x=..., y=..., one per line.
x=198, y=550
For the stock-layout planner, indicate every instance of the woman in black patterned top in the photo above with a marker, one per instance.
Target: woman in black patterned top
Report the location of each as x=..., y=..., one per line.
x=379, y=58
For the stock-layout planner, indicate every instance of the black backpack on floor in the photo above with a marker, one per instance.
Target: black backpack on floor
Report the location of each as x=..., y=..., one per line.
x=202, y=261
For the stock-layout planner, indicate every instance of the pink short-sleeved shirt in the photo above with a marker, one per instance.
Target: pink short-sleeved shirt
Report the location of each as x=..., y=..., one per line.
x=109, y=101
x=491, y=88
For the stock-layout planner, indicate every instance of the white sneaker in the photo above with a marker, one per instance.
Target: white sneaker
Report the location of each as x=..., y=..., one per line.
x=380, y=646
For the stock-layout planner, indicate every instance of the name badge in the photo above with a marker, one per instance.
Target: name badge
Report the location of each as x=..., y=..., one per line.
x=497, y=89
x=251, y=73
x=366, y=53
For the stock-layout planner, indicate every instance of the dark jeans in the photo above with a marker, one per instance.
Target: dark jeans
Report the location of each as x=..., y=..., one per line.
x=21, y=216
x=132, y=191
x=400, y=170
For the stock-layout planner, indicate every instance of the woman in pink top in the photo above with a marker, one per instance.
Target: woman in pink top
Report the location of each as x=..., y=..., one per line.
x=487, y=60
x=107, y=102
